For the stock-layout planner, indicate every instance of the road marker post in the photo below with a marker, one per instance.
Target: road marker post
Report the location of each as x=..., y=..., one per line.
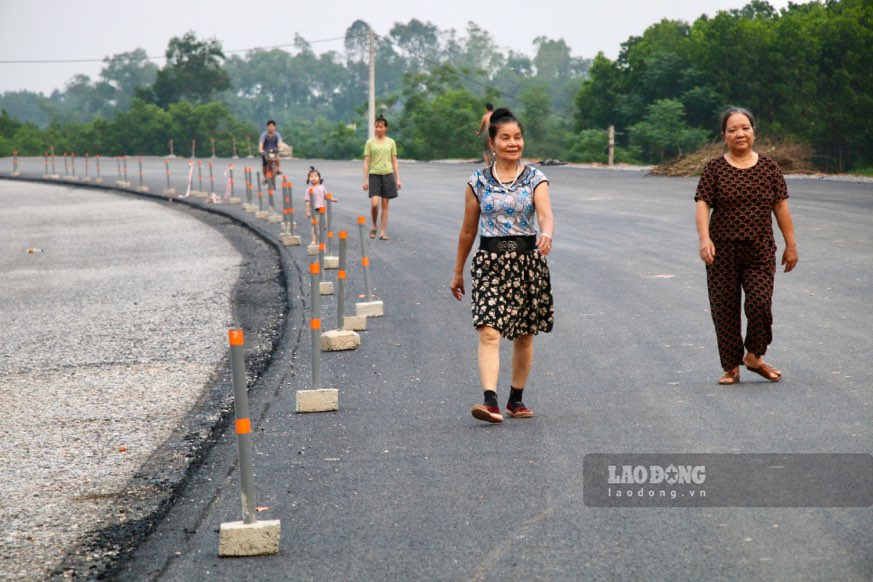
x=248, y=537
x=343, y=321
x=169, y=190
x=87, y=177
x=287, y=236
x=317, y=399
x=326, y=287
x=142, y=187
x=370, y=307
x=331, y=261
x=261, y=214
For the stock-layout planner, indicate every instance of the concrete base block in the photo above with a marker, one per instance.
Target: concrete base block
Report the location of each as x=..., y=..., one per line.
x=260, y=538
x=274, y=218
x=16, y=173
x=331, y=262
x=312, y=250
x=86, y=179
x=142, y=189
x=98, y=180
x=234, y=200
x=122, y=184
x=262, y=214
x=370, y=309
x=250, y=208
x=71, y=178
x=325, y=288
x=339, y=340
x=198, y=194
x=355, y=322
x=290, y=240
x=169, y=191
x=324, y=400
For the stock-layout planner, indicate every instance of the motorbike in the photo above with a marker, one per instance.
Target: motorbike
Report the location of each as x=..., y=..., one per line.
x=271, y=166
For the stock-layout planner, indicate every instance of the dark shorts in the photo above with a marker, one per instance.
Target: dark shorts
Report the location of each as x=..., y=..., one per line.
x=383, y=185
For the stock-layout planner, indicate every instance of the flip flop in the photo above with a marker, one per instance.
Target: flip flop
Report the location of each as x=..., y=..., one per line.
x=766, y=371
x=730, y=377
x=384, y=237
x=372, y=233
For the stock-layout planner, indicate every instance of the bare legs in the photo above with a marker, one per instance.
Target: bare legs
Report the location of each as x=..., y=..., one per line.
x=489, y=358
x=375, y=202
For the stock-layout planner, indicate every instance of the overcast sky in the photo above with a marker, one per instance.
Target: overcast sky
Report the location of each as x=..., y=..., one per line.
x=94, y=29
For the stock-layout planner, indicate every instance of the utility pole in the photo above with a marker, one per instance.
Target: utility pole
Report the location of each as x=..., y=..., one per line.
x=371, y=114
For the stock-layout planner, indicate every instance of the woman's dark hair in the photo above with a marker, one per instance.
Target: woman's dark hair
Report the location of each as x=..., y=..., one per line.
x=383, y=120
x=489, y=107
x=498, y=118
x=730, y=111
x=312, y=169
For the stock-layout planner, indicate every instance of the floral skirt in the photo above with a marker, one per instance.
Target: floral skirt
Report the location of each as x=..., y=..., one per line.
x=512, y=292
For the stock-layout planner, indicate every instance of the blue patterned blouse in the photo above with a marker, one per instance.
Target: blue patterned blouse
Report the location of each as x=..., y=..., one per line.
x=506, y=210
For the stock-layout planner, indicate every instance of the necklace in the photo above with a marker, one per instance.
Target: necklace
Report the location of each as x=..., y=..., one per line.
x=506, y=185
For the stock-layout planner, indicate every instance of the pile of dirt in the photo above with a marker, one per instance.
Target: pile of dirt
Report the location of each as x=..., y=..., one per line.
x=792, y=157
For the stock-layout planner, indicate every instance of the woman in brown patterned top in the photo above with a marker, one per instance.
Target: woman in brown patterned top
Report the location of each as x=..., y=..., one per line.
x=735, y=197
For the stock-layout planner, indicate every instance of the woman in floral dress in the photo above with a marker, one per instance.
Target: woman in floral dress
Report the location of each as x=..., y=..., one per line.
x=511, y=289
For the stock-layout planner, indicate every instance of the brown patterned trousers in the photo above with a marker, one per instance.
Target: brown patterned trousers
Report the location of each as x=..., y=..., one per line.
x=741, y=268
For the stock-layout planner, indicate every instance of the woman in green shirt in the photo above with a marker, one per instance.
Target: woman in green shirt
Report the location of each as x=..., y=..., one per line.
x=381, y=175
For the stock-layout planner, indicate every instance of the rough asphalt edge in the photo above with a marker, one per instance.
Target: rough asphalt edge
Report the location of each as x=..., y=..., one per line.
x=155, y=487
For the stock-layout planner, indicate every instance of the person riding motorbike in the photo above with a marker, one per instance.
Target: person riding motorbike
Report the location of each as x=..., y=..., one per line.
x=269, y=145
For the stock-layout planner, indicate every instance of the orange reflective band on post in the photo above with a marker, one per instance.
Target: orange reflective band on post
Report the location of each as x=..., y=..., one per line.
x=321, y=246
x=235, y=336
x=315, y=324
x=243, y=426
x=340, y=274
x=330, y=234
x=322, y=210
x=313, y=268
x=343, y=234
x=362, y=219
x=365, y=261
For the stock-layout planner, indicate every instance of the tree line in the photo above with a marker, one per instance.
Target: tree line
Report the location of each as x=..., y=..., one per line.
x=803, y=69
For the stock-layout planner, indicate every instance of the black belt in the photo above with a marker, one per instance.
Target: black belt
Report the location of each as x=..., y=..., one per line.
x=508, y=244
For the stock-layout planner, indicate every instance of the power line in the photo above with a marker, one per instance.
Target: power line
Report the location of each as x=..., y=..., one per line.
x=157, y=58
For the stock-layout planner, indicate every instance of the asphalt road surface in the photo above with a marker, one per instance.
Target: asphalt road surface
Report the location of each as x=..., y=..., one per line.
x=402, y=483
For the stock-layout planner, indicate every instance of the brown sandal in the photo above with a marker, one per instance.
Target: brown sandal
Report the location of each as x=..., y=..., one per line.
x=730, y=377
x=766, y=371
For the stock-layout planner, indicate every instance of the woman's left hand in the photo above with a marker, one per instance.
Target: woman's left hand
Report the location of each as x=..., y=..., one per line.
x=544, y=244
x=789, y=258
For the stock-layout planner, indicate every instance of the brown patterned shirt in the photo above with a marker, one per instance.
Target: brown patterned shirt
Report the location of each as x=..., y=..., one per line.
x=741, y=199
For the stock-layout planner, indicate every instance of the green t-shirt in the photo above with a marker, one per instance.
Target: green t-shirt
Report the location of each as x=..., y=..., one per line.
x=380, y=154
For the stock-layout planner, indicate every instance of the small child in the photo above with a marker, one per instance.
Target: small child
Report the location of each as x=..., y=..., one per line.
x=315, y=198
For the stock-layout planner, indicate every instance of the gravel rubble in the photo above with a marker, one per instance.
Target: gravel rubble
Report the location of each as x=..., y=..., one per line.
x=115, y=314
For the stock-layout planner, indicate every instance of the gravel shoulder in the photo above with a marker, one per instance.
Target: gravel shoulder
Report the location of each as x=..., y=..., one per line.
x=114, y=311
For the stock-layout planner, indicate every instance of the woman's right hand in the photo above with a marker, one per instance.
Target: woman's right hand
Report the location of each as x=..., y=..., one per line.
x=707, y=251
x=366, y=186
x=457, y=286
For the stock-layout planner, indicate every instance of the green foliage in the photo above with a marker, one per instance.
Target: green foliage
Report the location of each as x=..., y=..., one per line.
x=663, y=133
x=804, y=71
x=193, y=71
